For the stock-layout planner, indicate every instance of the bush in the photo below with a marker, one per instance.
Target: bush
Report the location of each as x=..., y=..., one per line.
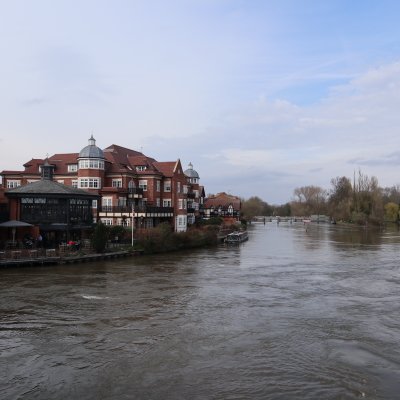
x=99, y=237
x=162, y=239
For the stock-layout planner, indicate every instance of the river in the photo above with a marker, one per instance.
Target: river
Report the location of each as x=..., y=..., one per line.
x=290, y=314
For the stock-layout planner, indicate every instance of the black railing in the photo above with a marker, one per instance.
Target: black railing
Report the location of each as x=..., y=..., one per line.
x=137, y=209
x=135, y=192
x=223, y=213
x=191, y=195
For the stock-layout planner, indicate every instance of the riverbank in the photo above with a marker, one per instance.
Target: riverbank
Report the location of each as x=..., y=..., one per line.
x=74, y=259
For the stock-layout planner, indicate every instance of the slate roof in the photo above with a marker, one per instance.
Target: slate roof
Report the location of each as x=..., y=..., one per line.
x=191, y=173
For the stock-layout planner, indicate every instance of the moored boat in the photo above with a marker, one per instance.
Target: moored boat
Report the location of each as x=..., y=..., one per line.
x=237, y=237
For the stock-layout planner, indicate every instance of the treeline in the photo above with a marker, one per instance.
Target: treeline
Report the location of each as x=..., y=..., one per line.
x=360, y=200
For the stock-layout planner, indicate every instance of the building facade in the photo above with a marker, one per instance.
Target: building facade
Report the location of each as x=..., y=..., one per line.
x=132, y=187
x=223, y=205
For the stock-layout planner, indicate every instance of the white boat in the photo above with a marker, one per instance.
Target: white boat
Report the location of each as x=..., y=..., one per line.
x=237, y=237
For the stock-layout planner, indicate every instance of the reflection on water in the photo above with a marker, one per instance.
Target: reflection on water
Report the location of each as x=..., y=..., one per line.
x=292, y=313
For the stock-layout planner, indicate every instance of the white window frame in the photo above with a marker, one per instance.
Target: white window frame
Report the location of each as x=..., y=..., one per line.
x=74, y=183
x=167, y=203
x=94, y=203
x=158, y=186
x=124, y=221
x=117, y=183
x=89, y=183
x=88, y=163
x=106, y=203
x=72, y=167
x=180, y=204
x=107, y=221
x=143, y=184
x=167, y=186
x=13, y=183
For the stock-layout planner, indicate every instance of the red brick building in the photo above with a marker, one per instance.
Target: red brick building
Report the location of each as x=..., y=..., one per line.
x=129, y=183
x=223, y=205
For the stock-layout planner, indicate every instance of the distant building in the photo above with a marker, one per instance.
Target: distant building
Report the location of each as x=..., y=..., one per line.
x=223, y=205
x=130, y=185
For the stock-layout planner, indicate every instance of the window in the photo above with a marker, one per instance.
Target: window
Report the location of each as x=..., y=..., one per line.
x=74, y=183
x=60, y=181
x=91, y=164
x=178, y=188
x=94, y=203
x=106, y=203
x=123, y=221
x=158, y=186
x=185, y=189
x=180, y=204
x=107, y=221
x=91, y=183
x=32, y=180
x=143, y=185
x=167, y=186
x=167, y=203
x=141, y=168
x=72, y=167
x=122, y=201
x=116, y=183
x=158, y=202
x=13, y=183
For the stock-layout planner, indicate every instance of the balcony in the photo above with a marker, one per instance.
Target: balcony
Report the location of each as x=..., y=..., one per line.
x=115, y=211
x=135, y=193
x=191, y=210
x=191, y=195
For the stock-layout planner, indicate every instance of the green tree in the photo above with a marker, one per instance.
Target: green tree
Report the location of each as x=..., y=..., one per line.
x=252, y=207
x=309, y=200
x=99, y=237
x=340, y=198
x=392, y=212
x=367, y=200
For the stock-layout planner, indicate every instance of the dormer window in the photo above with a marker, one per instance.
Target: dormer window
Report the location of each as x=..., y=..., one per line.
x=141, y=168
x=72, y=167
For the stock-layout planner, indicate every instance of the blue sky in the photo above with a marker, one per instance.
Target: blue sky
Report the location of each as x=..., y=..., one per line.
x=261, y=96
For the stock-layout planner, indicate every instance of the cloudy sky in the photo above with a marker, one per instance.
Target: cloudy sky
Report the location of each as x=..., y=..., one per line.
x=261, y=96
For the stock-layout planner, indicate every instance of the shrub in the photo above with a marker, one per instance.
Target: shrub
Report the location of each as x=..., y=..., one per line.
x=99, y=237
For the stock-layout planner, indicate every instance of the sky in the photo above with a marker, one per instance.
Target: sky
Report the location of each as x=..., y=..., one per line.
x=260, y=96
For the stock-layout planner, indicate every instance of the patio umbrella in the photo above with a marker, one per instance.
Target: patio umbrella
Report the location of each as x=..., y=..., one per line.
x=14, y=225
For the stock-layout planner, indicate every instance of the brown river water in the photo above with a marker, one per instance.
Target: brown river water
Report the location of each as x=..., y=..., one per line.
x=290, y=314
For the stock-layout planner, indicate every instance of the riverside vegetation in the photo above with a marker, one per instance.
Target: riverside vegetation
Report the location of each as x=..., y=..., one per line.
x=160, y=239
x=361, y=201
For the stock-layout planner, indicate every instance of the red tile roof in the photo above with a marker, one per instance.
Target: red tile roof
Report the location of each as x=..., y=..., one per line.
x=167, y=168
x=224, y=200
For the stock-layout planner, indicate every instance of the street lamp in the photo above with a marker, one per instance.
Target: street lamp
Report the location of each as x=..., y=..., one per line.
x=133, y=208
